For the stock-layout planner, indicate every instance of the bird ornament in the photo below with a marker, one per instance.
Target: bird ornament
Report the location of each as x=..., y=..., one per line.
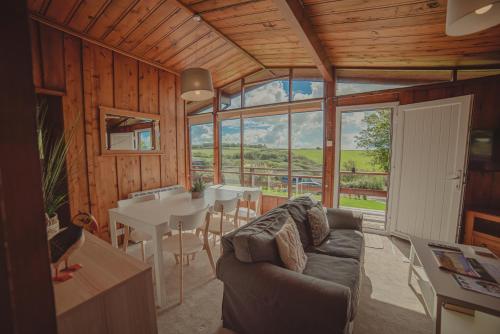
x=66, y=242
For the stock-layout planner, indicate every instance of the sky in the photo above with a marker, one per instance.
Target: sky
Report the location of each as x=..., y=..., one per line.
x=307, y=128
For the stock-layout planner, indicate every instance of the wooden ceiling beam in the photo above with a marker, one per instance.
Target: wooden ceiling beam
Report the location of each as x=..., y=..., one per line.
x=295, y=14
x=218, y=32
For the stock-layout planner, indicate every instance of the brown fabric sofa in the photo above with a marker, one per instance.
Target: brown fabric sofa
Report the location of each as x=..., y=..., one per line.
x=261, y=296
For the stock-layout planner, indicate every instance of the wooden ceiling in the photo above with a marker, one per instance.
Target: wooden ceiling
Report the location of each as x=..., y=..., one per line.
x=162, y=32
x=238, y=37
x=397, y=33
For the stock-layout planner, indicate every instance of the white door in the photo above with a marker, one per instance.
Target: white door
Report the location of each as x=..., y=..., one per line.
x=428, y=168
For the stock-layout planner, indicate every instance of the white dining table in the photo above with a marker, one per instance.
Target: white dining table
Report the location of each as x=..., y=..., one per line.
x=152, y=217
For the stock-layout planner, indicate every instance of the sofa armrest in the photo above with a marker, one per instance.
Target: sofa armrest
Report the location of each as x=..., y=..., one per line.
x=266, y=298
x=344, y=219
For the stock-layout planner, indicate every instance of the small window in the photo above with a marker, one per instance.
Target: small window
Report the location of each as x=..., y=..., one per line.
x=307, y=84
x=362, y=81
x=230, y=96
x=473, y=74
x=269, y=92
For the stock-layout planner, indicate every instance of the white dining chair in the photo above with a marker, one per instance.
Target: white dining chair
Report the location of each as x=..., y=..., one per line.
x=187, y=243
x=251, y=198
x=135, y=235
x=220, y=221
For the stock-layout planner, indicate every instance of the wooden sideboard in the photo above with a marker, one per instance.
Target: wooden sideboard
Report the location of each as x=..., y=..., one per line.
x=482, y=228
x=112, y=293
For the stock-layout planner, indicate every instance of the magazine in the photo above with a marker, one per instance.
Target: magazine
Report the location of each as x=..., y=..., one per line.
x=478, y=285
x=455, y=262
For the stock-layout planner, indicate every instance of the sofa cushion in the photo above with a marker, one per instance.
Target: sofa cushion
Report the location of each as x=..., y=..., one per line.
x=298, y=208
x=255, y=242
x=290, y=248
x=343, y=271
x=318, y=224
x=342, y=243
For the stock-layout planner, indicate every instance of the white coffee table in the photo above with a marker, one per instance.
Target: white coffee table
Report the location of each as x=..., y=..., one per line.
x=439, y=287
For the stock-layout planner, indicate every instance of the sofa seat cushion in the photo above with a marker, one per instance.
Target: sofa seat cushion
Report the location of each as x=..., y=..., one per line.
x=342, y=243
x=340, y=270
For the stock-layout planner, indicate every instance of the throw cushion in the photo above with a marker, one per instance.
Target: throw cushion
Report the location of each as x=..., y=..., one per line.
x=255, y=242
x=290, y=248
x=298, y=210
x=318, y=224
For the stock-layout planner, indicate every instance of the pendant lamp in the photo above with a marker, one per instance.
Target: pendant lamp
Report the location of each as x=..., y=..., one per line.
x=464, y=17
x=196, y=84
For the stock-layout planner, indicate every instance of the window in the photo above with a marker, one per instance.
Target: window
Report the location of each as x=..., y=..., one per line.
x=307, y=84
x=265, y=154
x=230, y=96
x=307, y=153
x=275, y=91
x=145, y=142
x=230, y=131
x=362, y=81
x=202, y=151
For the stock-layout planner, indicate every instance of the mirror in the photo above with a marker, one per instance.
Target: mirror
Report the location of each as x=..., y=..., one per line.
x=125, y=131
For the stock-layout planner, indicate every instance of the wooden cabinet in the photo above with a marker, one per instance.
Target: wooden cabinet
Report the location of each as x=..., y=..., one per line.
x=112, y=293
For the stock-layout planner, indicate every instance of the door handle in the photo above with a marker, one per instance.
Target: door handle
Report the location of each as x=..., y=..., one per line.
x=456, y=176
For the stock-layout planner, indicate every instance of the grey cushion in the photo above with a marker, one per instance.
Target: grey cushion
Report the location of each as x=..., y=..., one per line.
x=344, y=271
x=298, y=208
x=255, y=242
x=342, y=243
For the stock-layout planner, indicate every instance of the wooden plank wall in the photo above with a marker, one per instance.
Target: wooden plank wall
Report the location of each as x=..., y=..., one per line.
x=88, y=76
x=483, y=187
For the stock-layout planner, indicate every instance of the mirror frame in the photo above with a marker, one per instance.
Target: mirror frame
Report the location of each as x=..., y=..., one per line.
x=103, y=111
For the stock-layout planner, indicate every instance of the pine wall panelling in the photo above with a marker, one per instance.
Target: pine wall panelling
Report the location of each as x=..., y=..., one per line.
x=89, y=76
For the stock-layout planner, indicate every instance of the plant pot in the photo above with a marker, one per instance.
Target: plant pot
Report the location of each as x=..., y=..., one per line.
x=52, y=225
x=196, y=194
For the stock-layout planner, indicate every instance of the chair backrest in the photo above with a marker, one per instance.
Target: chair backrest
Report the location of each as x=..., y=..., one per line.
x=252, y=195
x=190, y=221
x=227, y=205
x=126, y=202
x=170, y=189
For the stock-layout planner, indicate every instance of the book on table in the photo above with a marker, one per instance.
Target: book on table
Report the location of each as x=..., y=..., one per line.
x=455, y=262
x=478, y=285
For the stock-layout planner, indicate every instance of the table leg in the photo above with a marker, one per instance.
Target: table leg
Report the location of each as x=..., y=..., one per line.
x=158, y=263
x=112, y=230
x=437, y=321
x=412, y=260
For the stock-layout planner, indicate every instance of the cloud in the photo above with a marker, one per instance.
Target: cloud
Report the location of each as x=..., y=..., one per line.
x=202, y=134
x=272, y=92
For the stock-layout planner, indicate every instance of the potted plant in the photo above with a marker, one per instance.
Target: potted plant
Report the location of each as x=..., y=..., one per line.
x=198, y=188
x=53, y=151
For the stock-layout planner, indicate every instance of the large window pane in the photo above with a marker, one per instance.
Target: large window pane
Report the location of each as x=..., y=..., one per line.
x=307, y=84
x=265, y=153
x=267, y=93
x=307, y=153
x=202, y=151
x=230, y=130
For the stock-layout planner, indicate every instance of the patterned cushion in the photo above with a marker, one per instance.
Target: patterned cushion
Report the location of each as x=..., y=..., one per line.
x=290, y=248
x=319, y=225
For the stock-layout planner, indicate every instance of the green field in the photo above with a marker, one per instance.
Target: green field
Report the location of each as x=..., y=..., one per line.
x=361, y=159
x=310, y=157
x=361, y=203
